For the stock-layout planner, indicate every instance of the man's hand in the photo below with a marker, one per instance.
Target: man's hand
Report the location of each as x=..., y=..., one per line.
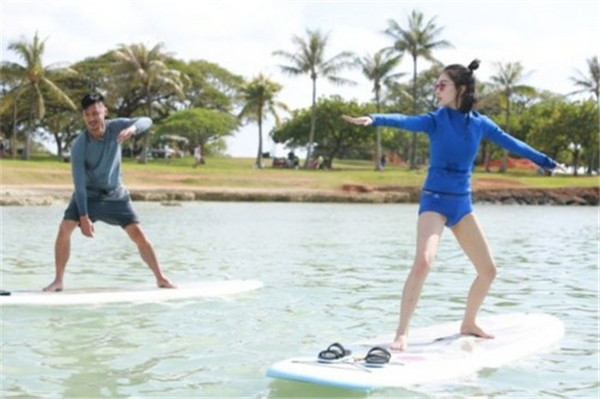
x=361, y=120
x=86, y=225
x=126, y=133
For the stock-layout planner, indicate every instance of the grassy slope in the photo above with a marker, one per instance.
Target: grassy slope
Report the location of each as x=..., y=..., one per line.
x=240, y=173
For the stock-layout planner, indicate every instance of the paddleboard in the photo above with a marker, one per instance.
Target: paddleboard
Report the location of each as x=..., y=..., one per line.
x=204, y=289
x=434, y=354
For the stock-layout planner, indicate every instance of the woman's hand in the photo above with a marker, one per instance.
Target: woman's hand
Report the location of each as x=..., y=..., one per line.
x=361, y=120
x=560, y=168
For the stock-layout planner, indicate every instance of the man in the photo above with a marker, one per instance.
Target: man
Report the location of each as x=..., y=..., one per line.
x=99, y=193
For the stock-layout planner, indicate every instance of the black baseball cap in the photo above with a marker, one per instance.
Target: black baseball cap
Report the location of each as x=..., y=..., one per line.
x=91, y=98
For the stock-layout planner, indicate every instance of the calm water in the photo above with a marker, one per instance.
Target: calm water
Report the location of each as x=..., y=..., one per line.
x=331, y=273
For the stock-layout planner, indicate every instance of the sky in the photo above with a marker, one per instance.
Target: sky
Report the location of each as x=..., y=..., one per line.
x=552, y=39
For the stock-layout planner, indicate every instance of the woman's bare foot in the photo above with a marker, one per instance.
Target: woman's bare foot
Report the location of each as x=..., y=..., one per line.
x=475, y=330
x=56, y=286
x=400, y=343
x=164, y=282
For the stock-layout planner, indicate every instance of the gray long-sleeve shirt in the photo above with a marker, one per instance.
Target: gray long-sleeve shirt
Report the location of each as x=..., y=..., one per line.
x=96, y=164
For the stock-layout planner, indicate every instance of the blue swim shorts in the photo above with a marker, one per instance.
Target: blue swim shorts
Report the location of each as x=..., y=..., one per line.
x=453, y=206
x=108, y=208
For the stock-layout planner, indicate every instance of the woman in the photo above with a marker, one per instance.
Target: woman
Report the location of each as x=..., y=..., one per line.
x=454, y=134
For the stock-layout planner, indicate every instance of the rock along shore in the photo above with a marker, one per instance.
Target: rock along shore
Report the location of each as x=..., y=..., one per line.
x=21, y=196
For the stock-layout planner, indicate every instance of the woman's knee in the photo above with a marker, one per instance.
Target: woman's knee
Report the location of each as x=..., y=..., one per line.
x=422, y=266
x=488, y=272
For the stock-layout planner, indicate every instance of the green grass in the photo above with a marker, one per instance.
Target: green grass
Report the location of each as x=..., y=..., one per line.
x=241, y=173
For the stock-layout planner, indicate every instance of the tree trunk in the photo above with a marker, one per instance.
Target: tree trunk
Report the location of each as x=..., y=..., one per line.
x=378, y=151
x=13, y=138
x=503, y=163
x=313, y=120
x=26, y=154
x=486, y=156
x=413, y=143
x=260, y=141
x=146, y=138
x=575, y=162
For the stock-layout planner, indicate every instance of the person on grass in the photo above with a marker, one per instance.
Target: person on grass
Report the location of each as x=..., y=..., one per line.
x=454, y=131
x=98, y=190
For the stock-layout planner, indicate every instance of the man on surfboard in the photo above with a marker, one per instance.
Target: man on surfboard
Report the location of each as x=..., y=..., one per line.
x=99, y=193
x=454, y=131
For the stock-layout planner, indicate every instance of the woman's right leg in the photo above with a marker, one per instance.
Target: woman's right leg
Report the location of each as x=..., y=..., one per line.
x=429, y=231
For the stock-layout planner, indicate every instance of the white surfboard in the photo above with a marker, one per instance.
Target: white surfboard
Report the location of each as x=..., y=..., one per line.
x=435, y=354
x=202, y=289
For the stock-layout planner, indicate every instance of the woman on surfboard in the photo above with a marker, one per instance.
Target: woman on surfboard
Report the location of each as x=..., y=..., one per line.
x=454, y=131
x=99, y=193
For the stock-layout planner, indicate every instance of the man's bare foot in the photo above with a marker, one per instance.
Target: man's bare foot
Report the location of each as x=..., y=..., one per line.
x=165, y=283
x=400, y=343
x=56, y=286
x=475, y=330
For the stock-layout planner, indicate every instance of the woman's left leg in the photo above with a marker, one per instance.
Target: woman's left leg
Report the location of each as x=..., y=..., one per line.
x=472, y=240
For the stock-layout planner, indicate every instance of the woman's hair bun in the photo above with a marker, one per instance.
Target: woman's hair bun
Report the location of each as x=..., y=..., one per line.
x=474, y=65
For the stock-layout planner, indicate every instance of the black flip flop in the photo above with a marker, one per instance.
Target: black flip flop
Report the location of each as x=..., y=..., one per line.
x=4, y=293
x=334, y=352
x=377, y=357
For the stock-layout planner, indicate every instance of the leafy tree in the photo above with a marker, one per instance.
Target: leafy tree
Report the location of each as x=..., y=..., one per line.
x=259, y=102
x=93, y=73
x=507, y=82
x=399, y=100
x=419, y=40
x=336, y=137
x=63, y=125
x=589, y=83
x=200, y=126
x=379, y=69
x=489, y=102
x=13, y=116
x=34, y=82
x=566, y=131
x=210, y=86
x=146, y=76
x=310, y=59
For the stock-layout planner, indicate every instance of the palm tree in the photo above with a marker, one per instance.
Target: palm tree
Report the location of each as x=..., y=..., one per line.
x=589, y=83
x=507, y=82
x=378, y=69
x=146, y=70
x=33, y=82
x=259, y=101
x=309, y=58
x=419, y=40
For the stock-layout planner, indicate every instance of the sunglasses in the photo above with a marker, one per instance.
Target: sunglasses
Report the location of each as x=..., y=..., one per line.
x=441, y=85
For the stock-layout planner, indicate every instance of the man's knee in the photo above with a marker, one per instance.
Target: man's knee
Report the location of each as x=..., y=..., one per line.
x=136, y=234
x=66, y=227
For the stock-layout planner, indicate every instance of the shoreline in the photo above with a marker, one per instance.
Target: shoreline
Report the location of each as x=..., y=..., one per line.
x=49, y=195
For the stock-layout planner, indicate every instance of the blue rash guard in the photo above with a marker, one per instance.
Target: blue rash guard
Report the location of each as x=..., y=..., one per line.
x=454, y=139
x=96, y=164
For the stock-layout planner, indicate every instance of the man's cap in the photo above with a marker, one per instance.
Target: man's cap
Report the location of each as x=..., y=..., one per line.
x=91, y=98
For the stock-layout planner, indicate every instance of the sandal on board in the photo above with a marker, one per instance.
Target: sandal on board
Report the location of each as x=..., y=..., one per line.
x=377, y=357
x=335, y=352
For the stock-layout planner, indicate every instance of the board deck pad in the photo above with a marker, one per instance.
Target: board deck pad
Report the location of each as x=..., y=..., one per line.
x=91, y=296
x=435, y=354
